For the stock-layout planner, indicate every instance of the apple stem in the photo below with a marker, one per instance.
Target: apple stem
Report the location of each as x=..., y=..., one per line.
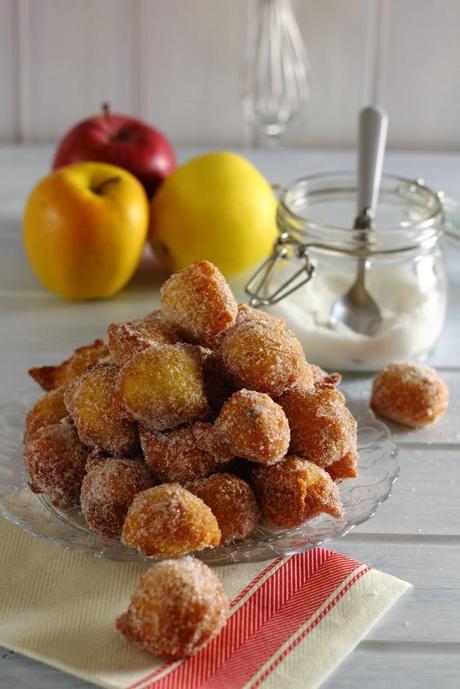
x=101, y=187
x=106, y=109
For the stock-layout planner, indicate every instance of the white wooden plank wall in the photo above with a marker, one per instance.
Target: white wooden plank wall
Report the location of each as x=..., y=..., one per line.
x=176, y=63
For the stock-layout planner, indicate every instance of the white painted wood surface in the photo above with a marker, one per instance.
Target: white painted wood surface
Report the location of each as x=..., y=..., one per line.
x=177, y=64
x=415, y=535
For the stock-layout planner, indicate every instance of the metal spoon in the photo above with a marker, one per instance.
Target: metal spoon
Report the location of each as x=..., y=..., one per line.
x=357, y=309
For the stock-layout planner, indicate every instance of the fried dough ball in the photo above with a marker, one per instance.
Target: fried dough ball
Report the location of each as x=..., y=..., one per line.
x=248, y=313
x=294, y=491
x=323, y=429
x=207, y=440
x=410, y=394
x=51, y=377
x=322, y=377
x=264, y=357
x=163, y=387
x=127, y=339
x=90, y=402
x=49, y=410
x=178, y=606
x=169, y=520
x=253, y=427
x=107, y=491
x=175, y=455
x=198, y=302
x=232, y=502
x=346, y=467
x=55, y=460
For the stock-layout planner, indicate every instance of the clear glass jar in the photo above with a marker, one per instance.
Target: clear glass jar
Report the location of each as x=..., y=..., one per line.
x=315, y=260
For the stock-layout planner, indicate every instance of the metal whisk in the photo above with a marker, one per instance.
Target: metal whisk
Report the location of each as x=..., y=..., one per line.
x=274, y=85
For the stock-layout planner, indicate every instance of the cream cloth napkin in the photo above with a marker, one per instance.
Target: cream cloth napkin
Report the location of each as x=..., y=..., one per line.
x=292, y=619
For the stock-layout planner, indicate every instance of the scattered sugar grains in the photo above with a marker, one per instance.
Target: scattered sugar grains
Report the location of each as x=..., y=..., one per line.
x=176, y=608
x=127, y=339
x=49, y=410
x=163, y=387
x=232, y=502
x=51, y=377
x=55, y=460
x=90, y=402
x=107, y=491
x=169, y=520
x=323, y=429
x=253, y=427
x=175, y=455
x=293, y=491
x=410, y=394
x=264, y=357
x=198, y=302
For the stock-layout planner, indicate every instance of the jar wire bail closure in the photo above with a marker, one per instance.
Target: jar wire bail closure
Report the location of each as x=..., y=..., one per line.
x=256, y=288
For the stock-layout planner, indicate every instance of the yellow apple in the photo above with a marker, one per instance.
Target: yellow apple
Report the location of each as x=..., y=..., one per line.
x=216, y=207
x=85, y=226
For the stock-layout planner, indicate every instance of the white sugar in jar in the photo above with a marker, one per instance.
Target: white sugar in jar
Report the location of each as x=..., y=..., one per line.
x=314, y=263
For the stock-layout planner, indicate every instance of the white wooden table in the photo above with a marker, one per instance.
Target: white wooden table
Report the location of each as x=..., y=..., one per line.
x=415, y=535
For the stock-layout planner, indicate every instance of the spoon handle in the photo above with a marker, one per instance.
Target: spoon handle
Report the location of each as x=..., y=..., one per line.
x=373, y=126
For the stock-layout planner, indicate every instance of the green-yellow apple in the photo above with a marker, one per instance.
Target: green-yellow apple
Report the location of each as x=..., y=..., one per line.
x=85, y=226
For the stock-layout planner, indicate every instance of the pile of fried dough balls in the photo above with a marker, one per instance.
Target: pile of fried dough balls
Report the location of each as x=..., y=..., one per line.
x=186, y=430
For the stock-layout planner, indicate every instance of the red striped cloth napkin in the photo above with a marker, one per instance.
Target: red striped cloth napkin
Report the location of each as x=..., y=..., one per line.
x=292, y=620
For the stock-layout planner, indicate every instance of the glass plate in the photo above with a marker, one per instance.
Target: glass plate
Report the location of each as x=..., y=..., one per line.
x=378, y=470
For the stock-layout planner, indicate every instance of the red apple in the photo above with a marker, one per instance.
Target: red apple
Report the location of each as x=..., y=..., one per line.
x=119, y=140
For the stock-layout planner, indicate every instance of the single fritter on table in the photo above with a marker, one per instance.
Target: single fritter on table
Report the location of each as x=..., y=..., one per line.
x=410, y=394
x=176, y=608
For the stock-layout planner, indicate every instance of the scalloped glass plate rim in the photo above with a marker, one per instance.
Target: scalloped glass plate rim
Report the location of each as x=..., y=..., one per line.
x=68, y=529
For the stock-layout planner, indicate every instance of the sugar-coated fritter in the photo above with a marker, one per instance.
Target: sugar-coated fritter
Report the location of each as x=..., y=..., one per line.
x=127, y=339
x=264, y=357
x=323, y=377
x=207, y=440
x=293, y=491
x=49, y=410
x=346, y=467
x=169, y=520
x=198, y=303
x=323, y=429
x=90, y=401
x=55, y=460
x=176, y=608
x=231, y=501
x=248, y=313
x=108, y=489
x=254, y=427
x=410, y=394
x=51, y=377
x=175, y=455
x=163, y=387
